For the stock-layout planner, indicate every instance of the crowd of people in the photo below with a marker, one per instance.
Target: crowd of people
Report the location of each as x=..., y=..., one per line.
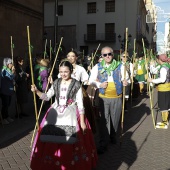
x=65, y=138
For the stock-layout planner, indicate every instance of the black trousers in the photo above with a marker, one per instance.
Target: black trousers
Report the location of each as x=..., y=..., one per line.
x=6, y=101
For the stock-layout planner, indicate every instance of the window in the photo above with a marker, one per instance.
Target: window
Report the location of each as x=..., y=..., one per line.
x=110, y=6
x=91, y=32
x=60, y=10
x=91, y=7
x=110, y=31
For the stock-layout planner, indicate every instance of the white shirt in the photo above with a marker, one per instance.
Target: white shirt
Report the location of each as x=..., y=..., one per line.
x=94, y=74
x=162, y=78
x=153, y=69
x=131, y=73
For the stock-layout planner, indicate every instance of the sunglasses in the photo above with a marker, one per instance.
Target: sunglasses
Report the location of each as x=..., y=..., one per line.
x=108, y=54
x=124, y=56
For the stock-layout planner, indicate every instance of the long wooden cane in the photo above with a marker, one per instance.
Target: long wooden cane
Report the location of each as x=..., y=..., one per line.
x=50, y=61
x=123, y=102
x=94, y=55
x=12, y=52
x=32, y=75
x=12, y=56
x=46, y=89
x=45, y=48
x=133, y=59
x=120, y=52
x=50, y=50
x=150, y=95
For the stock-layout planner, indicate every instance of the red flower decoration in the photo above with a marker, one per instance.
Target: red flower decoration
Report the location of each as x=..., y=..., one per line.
x=69, y=101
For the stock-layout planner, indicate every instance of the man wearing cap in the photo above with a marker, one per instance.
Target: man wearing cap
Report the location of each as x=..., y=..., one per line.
x=163, y=87
x=108, y=77
x=7, y=88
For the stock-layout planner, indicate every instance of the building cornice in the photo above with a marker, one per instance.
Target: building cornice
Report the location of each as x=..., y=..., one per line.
x=21, y=8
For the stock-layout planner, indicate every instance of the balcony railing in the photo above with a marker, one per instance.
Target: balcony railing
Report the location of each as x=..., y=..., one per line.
x=102, y=37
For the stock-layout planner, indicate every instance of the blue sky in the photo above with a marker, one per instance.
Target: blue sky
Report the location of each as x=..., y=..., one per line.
x=165, y=6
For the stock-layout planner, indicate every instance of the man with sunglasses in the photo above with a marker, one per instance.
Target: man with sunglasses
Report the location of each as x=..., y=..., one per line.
x=108, y=77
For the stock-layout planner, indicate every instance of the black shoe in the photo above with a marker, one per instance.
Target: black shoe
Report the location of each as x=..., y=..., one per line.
x=101, y=150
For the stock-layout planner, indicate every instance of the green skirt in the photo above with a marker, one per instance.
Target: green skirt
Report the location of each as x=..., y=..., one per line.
x=140, y=78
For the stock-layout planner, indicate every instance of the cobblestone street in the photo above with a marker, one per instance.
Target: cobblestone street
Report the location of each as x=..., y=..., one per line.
x=142, y=147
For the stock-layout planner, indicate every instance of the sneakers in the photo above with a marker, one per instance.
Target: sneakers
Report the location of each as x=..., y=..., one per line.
x=9, y=120
x=162, y=125
x=5, y=122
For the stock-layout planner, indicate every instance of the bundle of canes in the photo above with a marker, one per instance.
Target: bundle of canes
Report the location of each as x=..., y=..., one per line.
x=12, y=55
x=150, y=95
x=46, y=90
x=91, y=64
x=93, y=56
x=133, y=60
x=50, y=61
x=123, y=102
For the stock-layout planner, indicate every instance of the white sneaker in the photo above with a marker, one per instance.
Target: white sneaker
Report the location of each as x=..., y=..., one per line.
x=9, y=119
x=162, y=126
x=5, y=122
x=163, y=123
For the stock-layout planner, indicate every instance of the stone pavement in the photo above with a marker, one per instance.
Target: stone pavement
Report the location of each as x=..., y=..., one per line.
x=142, y=147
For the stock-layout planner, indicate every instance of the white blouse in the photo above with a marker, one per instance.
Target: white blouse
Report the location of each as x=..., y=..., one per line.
x=63, y=99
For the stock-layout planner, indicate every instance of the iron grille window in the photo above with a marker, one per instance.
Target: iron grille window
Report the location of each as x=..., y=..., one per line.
x=110, y=6
x=110, y=31
x=60, y=10
x=91, y=7
x=91, y=32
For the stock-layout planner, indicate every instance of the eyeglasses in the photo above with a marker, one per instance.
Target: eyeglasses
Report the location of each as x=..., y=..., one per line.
x=124, y=56
x=108, y=54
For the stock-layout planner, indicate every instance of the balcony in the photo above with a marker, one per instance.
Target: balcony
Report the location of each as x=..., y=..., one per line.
x=100, y=37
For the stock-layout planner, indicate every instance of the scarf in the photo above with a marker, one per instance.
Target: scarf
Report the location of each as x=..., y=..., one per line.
x=166, y=65
x=110, y=68
x=7, y=69
x=141, y=62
